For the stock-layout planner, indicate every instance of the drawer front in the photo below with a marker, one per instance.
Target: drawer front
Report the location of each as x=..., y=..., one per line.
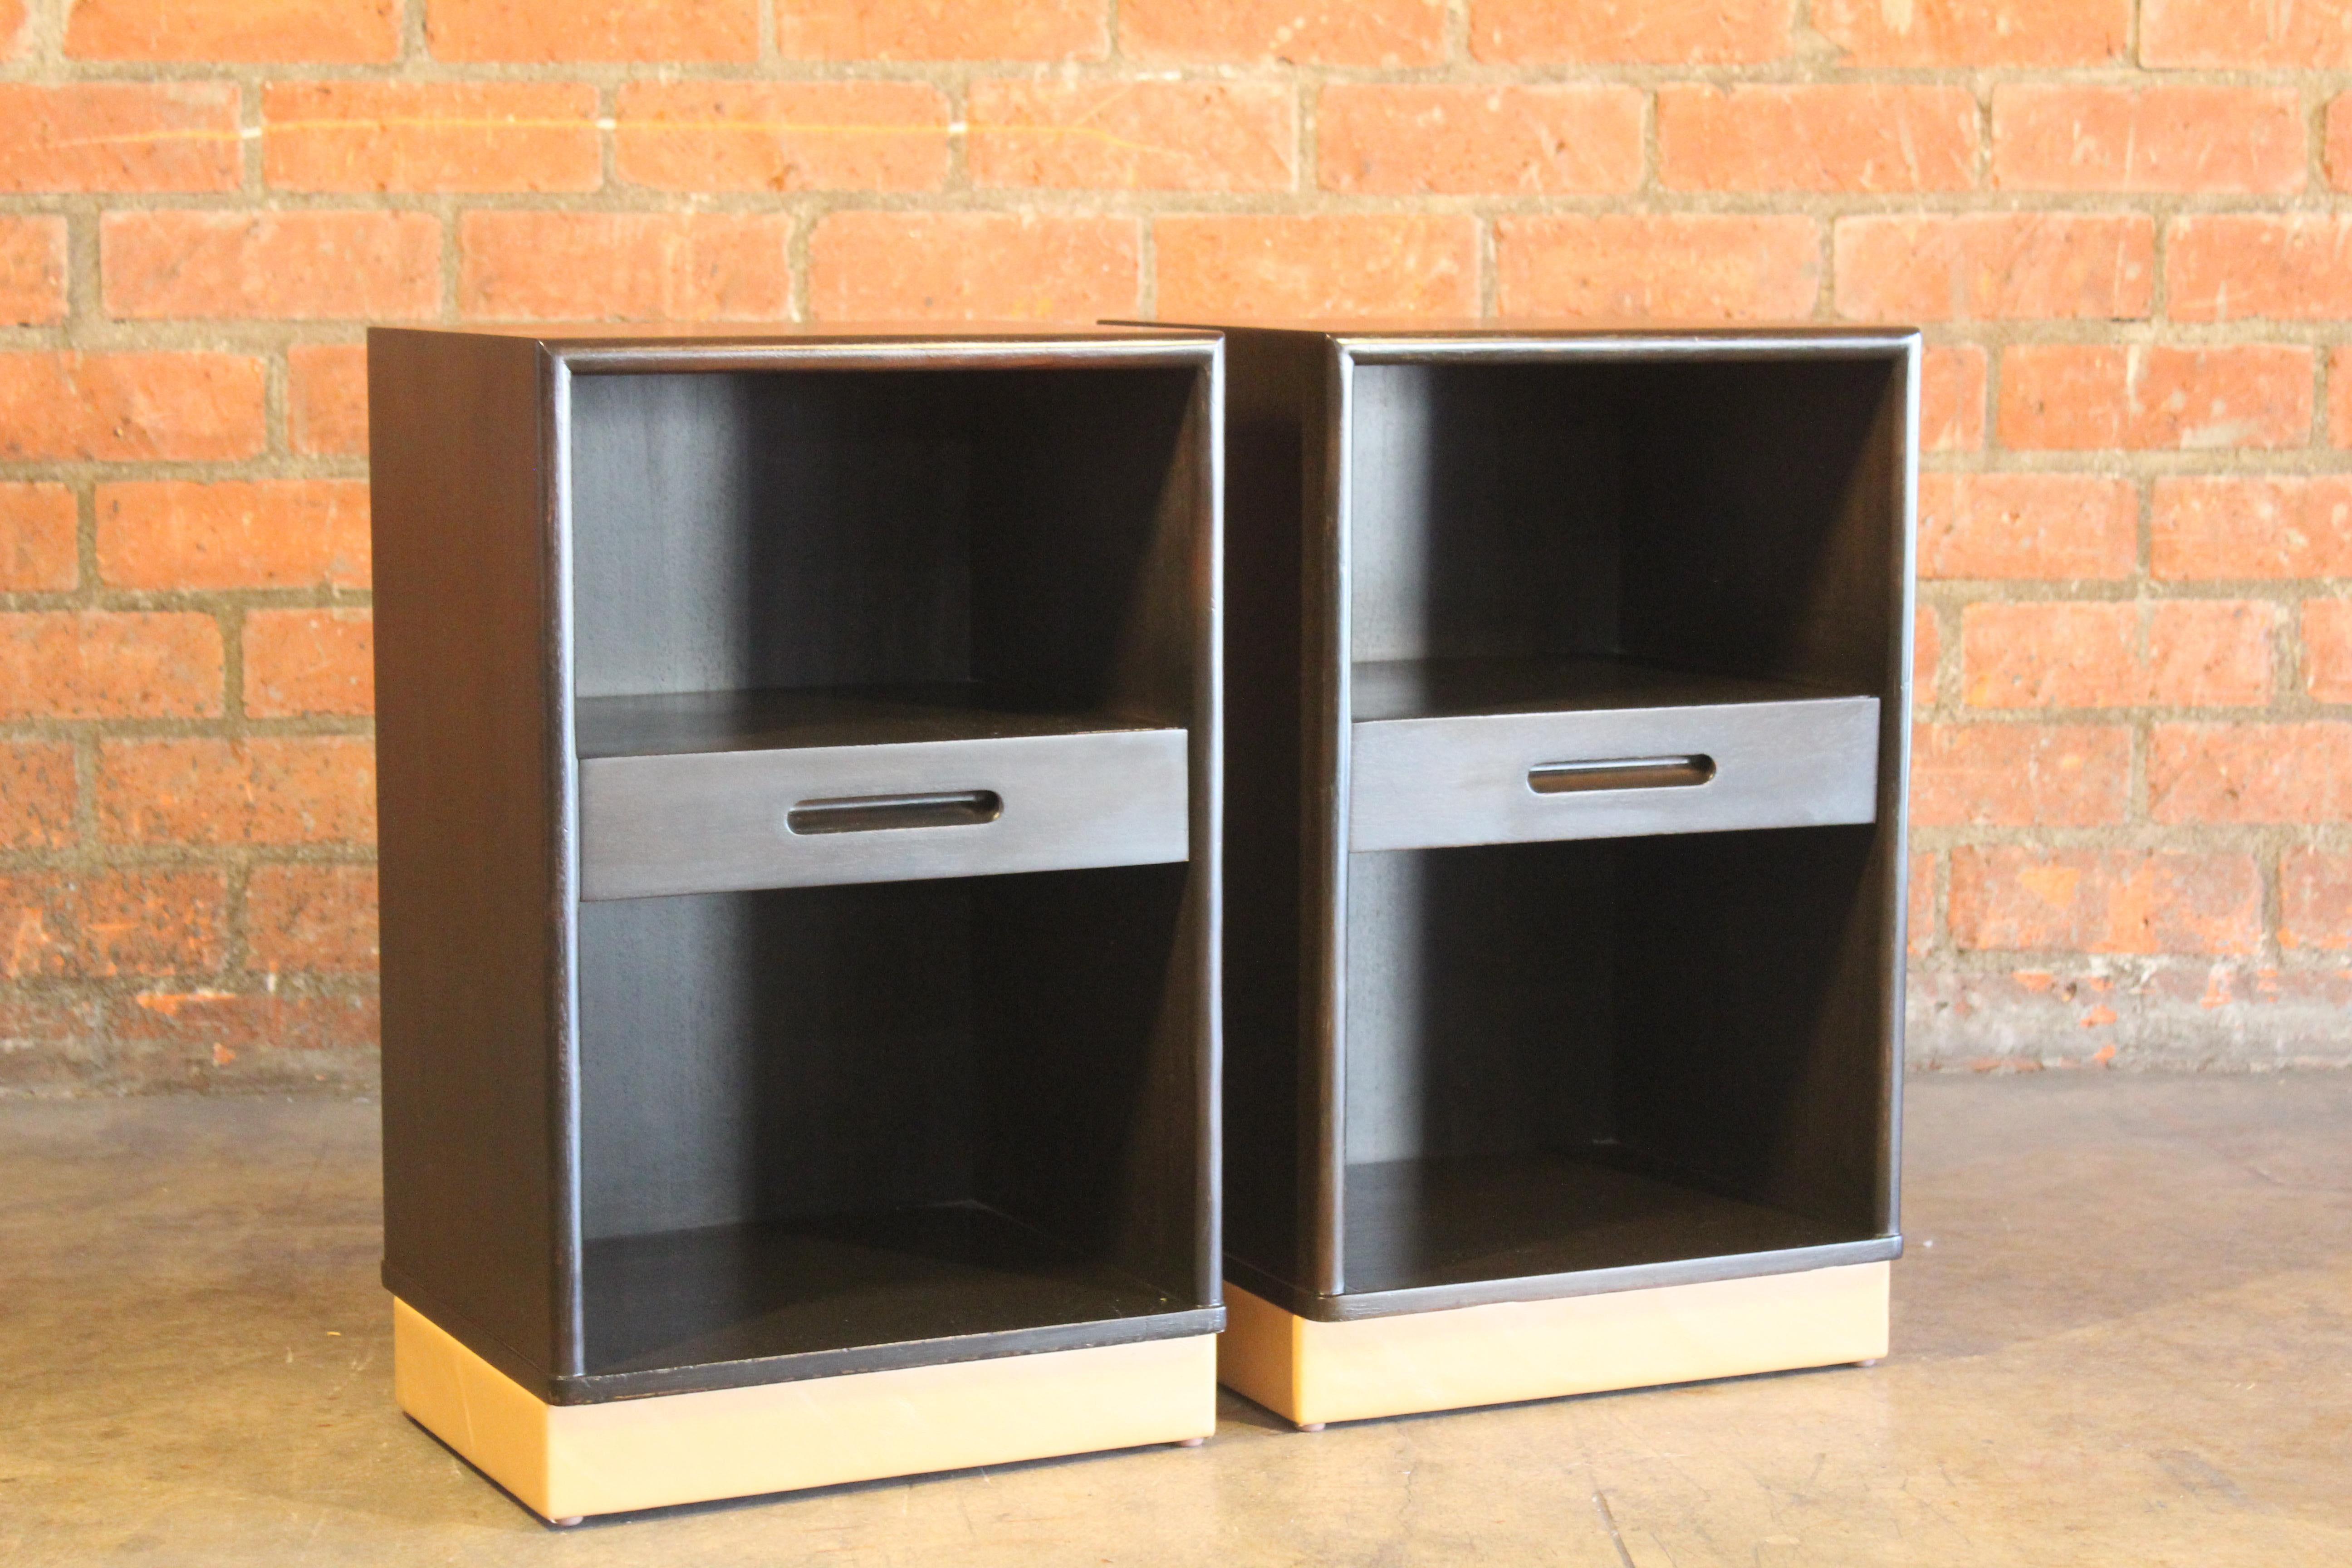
x=723, y=821
x=1517, y=778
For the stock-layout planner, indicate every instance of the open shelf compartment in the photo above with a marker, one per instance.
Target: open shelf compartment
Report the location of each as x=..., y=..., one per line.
x=849, y=1128
x=796, y=588
x=1605, y=562
x=1597, y=1056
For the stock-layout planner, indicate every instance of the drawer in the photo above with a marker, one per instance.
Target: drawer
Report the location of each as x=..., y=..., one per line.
x=720, y=821
x=1513, y=778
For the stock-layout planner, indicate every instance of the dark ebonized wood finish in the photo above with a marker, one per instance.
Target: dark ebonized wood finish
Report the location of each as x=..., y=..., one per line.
x=647, y=1145
x=1515, y=1070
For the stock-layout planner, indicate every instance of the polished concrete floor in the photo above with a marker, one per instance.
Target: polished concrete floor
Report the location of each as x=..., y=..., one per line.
x=2123, y=1335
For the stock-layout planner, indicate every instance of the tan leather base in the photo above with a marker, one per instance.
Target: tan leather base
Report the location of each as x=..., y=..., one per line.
x=569, y=1460
x=1312, y=1372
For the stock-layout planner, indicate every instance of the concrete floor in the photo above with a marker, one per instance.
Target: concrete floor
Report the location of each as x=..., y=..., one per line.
x=2123, y=1334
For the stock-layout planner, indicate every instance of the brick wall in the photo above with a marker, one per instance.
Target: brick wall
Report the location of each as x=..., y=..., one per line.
x=2120, y=227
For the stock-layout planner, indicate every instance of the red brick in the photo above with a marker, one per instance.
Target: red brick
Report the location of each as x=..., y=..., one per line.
x=1990, y=267
x=874, y=265
x=1308, y=32
x=129, y=407
x=1842, y=138
x=15, y=41
x=212, y=1026
x=2237, y=267
x=108, y=664
x=1401, y=140
x=38, y=552
x=238, y=534
x=2328, y=649
x=1133, y=135
x=326, y=399
x=658, y=30
x=275, y=790
x=2027, y=525
x=2336, y=151
x=1666, y=268
x=311, y=918
x=237, y=30
x=1540, y=32
x=2048, y=137
x=32, y=271
x=1920, y=917
x=302, y=264
x=2019, y=775
x=120, y=136
x=2185, y=653
x=308, y=662
x=929, y=30
x=75, y=925
x=1952, y=398
x=2315, y=900
x=430, y=136
x=2105, y=900
x=40, y=1017
x=1926, y=655
x=2317, y=36
x=2251, y=772
x=2339, y=397
x=1975, y=33
x=784, y=136
x=2098, y=397
x=36, y=795
x=2252, y=527
x=1353, y=266
x=624, y=267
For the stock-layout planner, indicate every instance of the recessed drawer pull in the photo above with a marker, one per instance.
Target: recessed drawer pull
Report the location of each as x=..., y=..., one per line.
x=1619, y=773
x=872, y=813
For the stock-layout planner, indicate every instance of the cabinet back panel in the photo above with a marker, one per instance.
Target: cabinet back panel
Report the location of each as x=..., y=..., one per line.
x=739, y=532
x=1485, y=512
x=1766, y=498
x=1089, y=1053
x=774, y=1055
x=1479, y=1008
x=1755, y=991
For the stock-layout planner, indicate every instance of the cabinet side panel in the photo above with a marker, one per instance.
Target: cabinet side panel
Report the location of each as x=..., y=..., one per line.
x=468, y=795
x=1273, y=392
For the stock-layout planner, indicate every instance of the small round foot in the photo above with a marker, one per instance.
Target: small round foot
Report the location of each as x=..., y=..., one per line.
x=1310, y=1425
x=1186, y=1443
x=567, y=1521
x=1871, y=1363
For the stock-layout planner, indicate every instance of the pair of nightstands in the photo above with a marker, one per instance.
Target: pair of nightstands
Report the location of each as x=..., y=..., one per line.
x=847, y=798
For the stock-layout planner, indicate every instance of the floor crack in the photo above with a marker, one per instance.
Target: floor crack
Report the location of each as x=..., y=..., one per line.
x=1601, y=1501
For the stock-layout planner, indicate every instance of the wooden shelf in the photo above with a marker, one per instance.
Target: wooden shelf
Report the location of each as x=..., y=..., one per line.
x=763, y=720
x=865, y=1282
x=1416, y=1223
x=1385, y=689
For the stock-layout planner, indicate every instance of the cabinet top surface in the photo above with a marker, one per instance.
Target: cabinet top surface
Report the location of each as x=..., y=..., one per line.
x=1474, y=335
x=690, y=337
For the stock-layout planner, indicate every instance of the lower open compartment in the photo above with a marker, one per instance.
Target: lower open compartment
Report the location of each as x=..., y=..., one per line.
x=841, y=1129
x=1571, y=1063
